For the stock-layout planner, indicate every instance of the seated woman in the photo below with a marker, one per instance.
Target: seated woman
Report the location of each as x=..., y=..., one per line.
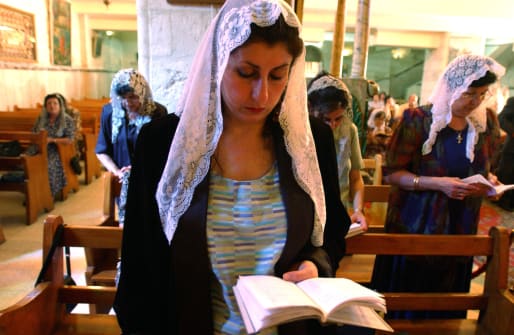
x=61, y=128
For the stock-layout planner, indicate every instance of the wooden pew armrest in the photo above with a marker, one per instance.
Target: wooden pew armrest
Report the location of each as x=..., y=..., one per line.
x=25, y=317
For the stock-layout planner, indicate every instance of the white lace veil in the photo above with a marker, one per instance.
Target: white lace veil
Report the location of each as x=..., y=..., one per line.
x=201, y=121
x=459, y=74
x=135, y=80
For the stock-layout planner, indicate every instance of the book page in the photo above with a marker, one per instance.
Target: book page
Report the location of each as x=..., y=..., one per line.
x=266, y=301
x=355, y=229
x=330, y=293
x=493, y=189
x=360, y=316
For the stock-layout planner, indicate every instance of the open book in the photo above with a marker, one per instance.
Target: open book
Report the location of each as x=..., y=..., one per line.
x=493, y=189
x=355, y=229
x=266, y=301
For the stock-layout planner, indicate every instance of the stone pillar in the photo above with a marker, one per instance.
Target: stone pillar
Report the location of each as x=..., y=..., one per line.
x=336, y=62
x=435, y=63
x=361, y=40
x=168, y=36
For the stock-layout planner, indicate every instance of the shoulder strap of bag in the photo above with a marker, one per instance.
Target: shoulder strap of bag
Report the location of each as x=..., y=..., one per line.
x=48, y=259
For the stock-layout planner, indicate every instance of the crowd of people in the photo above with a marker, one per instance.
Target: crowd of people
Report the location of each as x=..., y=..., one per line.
x=258, y=173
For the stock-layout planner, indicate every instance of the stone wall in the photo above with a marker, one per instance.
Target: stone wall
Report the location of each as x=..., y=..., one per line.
x=168, y=36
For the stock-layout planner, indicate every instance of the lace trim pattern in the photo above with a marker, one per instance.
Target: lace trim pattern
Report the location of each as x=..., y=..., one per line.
x=201, y=121
x=141, y=88
x=459, y=74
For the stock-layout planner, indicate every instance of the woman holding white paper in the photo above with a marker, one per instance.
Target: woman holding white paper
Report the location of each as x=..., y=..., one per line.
x=431, y=151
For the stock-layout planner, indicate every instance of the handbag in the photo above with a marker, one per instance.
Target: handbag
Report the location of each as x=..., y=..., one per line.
x=68, y=280
x=75, y=165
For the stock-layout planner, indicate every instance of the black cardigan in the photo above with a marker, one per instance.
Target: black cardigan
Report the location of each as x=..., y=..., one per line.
x=165, y=289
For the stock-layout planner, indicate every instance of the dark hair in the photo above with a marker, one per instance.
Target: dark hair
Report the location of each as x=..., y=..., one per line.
x=379, y=114
x=327, y=99
x=280, y=31
x=488, y=79
x=57, y=96
x=123, y=89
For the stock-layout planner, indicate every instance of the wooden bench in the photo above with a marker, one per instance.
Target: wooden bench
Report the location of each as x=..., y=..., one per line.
x=495, y=303
x=90, y=128
x=101, y=263
x=24, y=119
x=35, y=185
x=42, y=311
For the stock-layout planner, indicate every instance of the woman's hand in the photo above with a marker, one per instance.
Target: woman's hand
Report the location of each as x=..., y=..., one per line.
x=358, y=217
x=306, y=270
x=456, y=189
x=122, y=171
x=495, y=181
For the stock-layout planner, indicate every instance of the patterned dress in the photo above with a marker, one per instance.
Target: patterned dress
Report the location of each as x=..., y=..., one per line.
x=56, y=174
x=246, y=233
x=429, y=212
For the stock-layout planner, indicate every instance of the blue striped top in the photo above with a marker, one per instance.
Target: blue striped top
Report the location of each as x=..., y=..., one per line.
x=246, y=233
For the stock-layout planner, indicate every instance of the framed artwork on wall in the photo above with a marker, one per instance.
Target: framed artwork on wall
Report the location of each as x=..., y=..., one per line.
x=17, y=35
x=59, y=18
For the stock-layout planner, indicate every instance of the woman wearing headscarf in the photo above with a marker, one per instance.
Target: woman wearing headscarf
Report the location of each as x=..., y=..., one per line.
x=61, y=128
x=131, y=106
x=232, y=184
x=431, y=151
x=330, y=100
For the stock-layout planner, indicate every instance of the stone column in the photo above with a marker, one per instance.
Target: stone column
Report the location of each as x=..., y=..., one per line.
x=168, y=36
x=361, y=40
x=336, y=62
x=435, y=63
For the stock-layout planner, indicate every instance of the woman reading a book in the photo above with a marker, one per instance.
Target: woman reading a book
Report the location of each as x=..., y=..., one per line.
x=330, y=100
x=431, y=151
x=231, y=184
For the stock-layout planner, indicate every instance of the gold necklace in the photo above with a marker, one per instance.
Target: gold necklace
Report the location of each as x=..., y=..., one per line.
x=459, y=137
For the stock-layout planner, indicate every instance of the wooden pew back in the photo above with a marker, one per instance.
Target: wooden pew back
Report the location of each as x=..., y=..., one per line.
x=35, y=167
x=496, y=303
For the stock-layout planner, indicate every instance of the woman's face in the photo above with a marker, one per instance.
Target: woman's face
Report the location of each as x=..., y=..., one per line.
x=469, y=100
x=52, y=107
x=131, y=103
x=334, y=118
x=254, y=80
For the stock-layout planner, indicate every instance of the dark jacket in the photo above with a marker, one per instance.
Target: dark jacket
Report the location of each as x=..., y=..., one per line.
x=120, y=152
x=165, y=289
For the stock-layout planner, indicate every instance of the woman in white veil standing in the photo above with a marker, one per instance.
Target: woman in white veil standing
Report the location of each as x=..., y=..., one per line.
x=232, y=184
x=433, y=148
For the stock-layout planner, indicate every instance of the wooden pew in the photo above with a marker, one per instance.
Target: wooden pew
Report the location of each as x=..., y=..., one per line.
x=24, y=119
x=495, y=303
x=42, y=311
x=2, y=236
x=35, y=186
x=101, y=263
x=90, y=128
